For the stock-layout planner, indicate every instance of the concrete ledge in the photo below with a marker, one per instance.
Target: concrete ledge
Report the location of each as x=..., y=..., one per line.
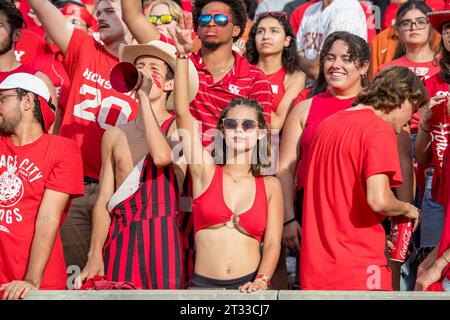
x=231, y=295
x=362, y=295
x=151, y=295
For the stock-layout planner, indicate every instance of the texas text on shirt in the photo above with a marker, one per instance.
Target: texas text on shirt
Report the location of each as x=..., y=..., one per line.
x=317, y=24
x=93, y=105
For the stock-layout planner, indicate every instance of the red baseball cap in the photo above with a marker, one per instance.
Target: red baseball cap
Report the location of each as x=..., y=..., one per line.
x=439, y=18
x=29, y=82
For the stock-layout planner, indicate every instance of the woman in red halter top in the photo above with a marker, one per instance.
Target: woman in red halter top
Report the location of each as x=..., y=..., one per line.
x=234, y=206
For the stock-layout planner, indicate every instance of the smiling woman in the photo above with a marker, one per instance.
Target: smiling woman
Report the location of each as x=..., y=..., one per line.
x=344, y=61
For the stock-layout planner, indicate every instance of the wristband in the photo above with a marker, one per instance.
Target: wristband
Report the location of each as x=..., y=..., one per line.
x=261, y=278
x=182, y=55
x=289, y=221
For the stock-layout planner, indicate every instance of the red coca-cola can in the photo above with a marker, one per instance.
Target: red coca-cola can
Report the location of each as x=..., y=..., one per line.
x=401, y=232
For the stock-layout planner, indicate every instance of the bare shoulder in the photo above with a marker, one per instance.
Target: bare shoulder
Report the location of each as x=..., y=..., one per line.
x=113, y=135
x=300, y=111
x=273, y=185
x=295, y=77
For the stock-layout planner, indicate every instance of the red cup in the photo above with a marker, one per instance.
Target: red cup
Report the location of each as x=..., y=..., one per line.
x=401, y=232
x=125, y=77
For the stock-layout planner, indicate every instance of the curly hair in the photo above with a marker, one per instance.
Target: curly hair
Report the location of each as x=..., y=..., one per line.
x=261, y=157
x=237, y=8
x=13, y=15
x=391, y=88
x=358, y=50
x=289, y=59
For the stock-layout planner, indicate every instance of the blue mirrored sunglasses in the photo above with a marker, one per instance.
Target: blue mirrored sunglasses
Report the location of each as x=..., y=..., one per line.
x=220, y=19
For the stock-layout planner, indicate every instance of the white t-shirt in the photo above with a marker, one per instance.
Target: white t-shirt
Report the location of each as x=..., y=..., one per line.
x=270, y=5
x=317, y=24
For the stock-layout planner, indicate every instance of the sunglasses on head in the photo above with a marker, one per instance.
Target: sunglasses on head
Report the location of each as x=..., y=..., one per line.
x=232, y=124
x=220, y=19
x=275, y=14
x=164, y=18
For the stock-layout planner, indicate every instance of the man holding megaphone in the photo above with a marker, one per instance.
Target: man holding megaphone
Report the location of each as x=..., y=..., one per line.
x=138, y=196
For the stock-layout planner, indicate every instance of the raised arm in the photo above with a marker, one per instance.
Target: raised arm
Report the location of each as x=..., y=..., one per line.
x=141, y=29
x=197, y=157
x=54, y=22
x=158, y=146
x=47, y=225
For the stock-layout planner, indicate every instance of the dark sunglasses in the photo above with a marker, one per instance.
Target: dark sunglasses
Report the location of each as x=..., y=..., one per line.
x=275, y=14
x=232, y=124
x=220, y=19
x=164, y=18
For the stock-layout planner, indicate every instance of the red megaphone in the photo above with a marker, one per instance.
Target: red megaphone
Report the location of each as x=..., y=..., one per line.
x=125, y=77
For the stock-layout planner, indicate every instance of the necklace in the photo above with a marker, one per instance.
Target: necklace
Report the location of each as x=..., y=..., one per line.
x=226, y=68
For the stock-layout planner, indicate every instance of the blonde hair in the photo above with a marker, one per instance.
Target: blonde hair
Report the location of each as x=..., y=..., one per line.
x=174, y=8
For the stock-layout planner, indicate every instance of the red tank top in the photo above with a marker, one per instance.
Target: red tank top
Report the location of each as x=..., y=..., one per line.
x=210, y=208
x=276, y=80
x=322, y=106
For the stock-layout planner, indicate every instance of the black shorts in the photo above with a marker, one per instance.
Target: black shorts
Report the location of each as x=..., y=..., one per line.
x=199, y=281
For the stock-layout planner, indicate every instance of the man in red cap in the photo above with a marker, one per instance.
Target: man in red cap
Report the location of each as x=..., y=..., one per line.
x=39, y=173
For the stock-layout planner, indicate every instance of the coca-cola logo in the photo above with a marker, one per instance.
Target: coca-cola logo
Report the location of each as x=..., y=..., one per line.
x=406, y=237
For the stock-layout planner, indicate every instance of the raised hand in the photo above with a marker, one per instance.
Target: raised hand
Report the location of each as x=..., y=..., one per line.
x=182, y=34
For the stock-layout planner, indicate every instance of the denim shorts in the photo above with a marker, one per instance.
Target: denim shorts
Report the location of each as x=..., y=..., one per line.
x=446, y=285
x=432, y=216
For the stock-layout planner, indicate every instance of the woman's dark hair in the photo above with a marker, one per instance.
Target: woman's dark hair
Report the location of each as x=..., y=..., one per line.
x=237, y=8
x=261, y=157
x=13, y=15
x=251, y=8
x=358, y=50
x=37, y=113
x=391, y=88
x=400, y=51
x=290, y=58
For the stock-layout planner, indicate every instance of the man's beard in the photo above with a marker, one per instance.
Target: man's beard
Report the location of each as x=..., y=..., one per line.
x=7, y=127
x=6, y=45
x=212, y=46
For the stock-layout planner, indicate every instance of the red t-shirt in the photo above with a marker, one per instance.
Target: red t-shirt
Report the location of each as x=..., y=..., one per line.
x=242, y=81
x=51, y=64
x=29, y=47
x=50, y=162
x=422, y=69
x=343, y=241
x=439, y=128
x=92, y=104
x=322, y=106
